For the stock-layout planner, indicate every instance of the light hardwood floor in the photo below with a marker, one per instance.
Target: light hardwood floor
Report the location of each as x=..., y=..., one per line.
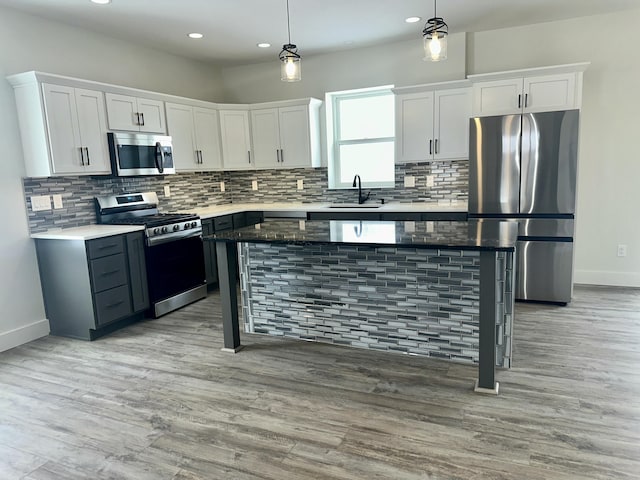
x=159, y=400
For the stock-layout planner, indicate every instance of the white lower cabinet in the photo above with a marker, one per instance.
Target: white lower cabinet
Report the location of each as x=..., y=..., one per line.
x=432, y=124
x=195, y=137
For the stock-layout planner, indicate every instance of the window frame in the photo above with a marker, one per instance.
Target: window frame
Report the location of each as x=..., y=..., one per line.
x=333, y=100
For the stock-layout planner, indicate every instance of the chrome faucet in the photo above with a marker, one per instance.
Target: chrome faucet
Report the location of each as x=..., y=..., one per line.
x=361, y=198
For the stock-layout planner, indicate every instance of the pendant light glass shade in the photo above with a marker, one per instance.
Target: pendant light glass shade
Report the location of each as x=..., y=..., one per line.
x=290, y=61
x=290, y=65
x=434, y=36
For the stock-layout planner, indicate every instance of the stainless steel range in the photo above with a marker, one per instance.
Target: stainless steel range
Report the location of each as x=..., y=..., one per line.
x=173, y=252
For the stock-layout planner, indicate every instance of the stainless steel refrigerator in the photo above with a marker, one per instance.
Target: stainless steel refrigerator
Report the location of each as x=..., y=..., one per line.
x=523, y=167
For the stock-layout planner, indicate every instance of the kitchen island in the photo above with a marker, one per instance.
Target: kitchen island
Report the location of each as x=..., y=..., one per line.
x=440, y=289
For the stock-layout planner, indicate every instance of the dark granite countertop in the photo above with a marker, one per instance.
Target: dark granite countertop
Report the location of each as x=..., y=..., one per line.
x=469, y=235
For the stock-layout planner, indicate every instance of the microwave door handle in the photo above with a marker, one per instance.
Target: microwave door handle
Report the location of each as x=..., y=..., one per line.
x=159, y=157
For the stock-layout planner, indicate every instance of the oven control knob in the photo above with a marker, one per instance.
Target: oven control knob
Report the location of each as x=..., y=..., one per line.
x=193, y=224
x=187, y=225
x=156, y=231
x=176, y=228
x=165, y=229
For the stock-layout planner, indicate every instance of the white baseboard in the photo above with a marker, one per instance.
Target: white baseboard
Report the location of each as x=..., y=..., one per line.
x=25, y=334
x=615, y=279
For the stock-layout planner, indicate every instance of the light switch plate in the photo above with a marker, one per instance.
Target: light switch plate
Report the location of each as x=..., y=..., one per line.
x=40, y=203
x=57, y=201
x=301, y=184
x=409, y=181
x=430, y=180
x=254, y=184
x=222, y=186
x=167, y=191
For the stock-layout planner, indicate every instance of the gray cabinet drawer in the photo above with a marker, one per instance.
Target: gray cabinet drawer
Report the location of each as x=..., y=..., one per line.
x=105, y=246
x=108, y=272
x=112, y=305
x=399, y=216
x=222, y=223
x=207, y=227
x=239, y=220
x=254, y=217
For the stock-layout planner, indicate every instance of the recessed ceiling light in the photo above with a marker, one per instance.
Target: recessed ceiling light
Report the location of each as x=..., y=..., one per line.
x=195, y=35
x=264, y=45
x=412, y=19
x=101, y=2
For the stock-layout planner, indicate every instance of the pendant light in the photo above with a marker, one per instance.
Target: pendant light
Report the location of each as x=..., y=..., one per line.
x=434, y=37
x=289, y=58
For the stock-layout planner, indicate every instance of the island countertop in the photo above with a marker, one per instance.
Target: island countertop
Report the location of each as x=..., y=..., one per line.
x=467, y=235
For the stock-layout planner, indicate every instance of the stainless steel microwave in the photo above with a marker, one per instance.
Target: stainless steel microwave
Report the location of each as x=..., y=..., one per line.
x=140, y=154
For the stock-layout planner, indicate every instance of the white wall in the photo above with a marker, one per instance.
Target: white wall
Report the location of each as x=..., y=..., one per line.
x=609, y=167
x=30, y=43
x=398, y=64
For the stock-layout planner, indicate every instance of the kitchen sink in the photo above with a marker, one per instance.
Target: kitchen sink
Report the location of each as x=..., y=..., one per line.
x=355, y=205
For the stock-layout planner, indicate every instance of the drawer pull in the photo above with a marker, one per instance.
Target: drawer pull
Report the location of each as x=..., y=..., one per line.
x=104, y=247
x=113, y=305
x=110, y=272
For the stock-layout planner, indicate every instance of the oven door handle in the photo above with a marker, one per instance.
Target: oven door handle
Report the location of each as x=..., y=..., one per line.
x=174, y=236
x=159, y=157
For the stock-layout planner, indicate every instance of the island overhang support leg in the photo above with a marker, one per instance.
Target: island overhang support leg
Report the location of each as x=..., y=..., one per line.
x=227, y=255
x=487, y=343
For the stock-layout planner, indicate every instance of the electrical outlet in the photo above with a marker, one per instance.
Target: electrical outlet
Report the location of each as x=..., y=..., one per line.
x=257, y=226
x=40, y=202
x=222, y=186
x=167, y=191
x=302, y=224
x=429, y=227
x=622, y=250
x=301, y=184
x=431, y=180
x=57, y=201
x=409, y=181
x=254, y=184
x=409, y=227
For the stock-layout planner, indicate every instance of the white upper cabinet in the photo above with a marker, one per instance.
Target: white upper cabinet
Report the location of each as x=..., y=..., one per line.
x=236, y=140
x=195, y=137
x=432, y=122
x=282, y=137
x=272, y=135
x=135, y=114
x=528, y=91
x=63, y=129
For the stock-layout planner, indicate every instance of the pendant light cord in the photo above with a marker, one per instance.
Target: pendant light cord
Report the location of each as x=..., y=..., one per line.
x=288, y=23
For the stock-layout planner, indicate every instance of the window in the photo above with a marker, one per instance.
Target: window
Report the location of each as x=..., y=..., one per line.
x=361, y=137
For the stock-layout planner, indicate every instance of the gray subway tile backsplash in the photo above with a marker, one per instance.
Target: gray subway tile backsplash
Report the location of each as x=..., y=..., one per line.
x=197, y=190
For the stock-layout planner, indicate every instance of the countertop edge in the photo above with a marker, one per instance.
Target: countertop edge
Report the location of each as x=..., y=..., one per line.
x=87, y=232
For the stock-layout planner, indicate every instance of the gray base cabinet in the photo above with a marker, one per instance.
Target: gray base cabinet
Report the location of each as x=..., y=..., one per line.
x=220, y=224
x=92, y=288
x=390, y=216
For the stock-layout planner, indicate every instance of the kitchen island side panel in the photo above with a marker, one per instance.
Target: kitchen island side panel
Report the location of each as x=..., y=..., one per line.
x=405, y=300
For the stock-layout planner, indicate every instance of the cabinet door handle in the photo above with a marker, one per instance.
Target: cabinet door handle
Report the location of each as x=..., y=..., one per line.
x=249, y=155
x=430, y=147
x=281, y=155
x=526, y=100
x=142, y=115
x=137, y=118
x=81, y=156
x=436, y=142
x=88, y=157
x=277, y=155
x=519, y=101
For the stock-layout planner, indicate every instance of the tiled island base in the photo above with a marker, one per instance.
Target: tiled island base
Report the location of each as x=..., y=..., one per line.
x=407, y=300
